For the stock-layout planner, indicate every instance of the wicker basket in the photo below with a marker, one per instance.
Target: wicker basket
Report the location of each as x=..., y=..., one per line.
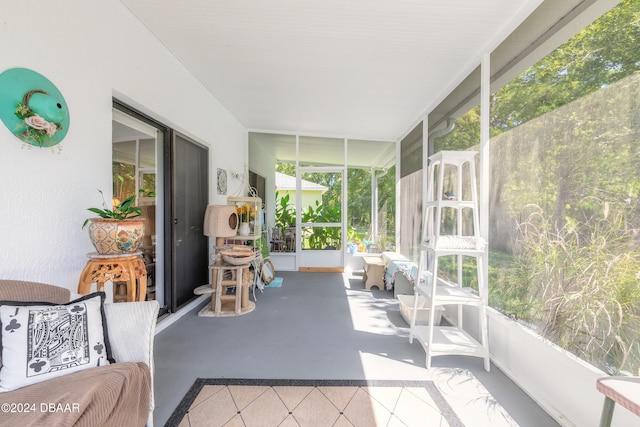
x=234, y=260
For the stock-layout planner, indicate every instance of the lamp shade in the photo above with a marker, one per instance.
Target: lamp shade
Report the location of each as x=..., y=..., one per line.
x=220, y=221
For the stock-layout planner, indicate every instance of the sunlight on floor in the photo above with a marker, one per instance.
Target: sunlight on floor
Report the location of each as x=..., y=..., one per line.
x=360, y=307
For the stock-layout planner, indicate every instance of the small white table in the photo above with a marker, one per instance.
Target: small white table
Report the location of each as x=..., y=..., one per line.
x=624, y=391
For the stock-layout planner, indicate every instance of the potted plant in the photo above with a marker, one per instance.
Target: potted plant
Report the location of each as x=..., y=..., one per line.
x=118, y=230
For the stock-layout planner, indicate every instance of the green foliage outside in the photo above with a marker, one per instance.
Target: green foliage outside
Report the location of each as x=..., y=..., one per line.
x=285, y=212
x=601, y=54
x=124, y=182
x=358, y=208
x=584, y=280
x=321, y=237
x=386, y=239
x=565, y=193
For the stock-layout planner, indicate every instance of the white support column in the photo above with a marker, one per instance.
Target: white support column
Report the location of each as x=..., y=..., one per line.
x=425, y=181
x=298, y=242
x=485, y=115
x=425, y=160
x=345, y=203
x=397, y=201
x=374, y=205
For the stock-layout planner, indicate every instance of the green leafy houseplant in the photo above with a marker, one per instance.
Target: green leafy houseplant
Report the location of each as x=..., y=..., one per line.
x=117, y=230
x=122, y=211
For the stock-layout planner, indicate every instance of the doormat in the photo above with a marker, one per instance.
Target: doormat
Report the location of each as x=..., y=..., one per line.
x=275, y=283
x=245, y=402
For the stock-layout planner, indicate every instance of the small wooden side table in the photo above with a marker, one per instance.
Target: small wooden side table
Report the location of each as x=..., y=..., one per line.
x=224, y=276
x=128, y=268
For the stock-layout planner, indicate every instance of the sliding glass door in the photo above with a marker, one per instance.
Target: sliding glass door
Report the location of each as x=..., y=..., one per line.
x=169, y=174
x=137, y=170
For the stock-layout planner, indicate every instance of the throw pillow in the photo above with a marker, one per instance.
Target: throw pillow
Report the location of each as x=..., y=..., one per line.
x=40, y=341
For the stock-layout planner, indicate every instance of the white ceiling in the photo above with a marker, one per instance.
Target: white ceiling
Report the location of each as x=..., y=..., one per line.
x=366, y=69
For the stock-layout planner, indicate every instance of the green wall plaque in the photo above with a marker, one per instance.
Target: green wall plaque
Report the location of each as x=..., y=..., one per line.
x=33, y=108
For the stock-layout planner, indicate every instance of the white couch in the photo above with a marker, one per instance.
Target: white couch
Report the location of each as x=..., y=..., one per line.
x=131, y=330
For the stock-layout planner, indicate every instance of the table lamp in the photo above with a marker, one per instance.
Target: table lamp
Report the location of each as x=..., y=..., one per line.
x=220, y=221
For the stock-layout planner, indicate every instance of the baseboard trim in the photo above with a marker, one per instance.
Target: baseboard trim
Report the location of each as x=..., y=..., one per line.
x=171, y=318
x=321, y=270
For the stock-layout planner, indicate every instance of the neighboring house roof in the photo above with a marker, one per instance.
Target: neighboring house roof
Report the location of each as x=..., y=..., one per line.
x=286, y=182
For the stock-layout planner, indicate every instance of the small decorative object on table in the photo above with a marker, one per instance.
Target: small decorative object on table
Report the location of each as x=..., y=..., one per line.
x=244, y=229
x=249, y=211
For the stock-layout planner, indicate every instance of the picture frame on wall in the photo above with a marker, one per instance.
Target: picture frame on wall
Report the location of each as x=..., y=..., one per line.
x=222, y=181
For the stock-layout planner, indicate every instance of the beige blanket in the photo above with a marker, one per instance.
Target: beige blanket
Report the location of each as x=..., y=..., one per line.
x=112, y=395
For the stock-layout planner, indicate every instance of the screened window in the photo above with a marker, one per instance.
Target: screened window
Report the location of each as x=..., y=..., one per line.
x=565, y=184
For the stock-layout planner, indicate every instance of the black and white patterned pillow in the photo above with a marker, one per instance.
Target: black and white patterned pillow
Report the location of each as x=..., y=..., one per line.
x=41, y=340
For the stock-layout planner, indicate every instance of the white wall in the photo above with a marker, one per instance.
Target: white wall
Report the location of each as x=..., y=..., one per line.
x=92, y=51
x=564, y=385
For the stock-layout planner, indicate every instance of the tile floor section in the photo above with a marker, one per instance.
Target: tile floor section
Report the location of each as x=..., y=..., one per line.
x=220, y=405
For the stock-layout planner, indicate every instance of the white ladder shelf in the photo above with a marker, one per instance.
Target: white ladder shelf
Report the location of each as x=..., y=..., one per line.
x=444, y=340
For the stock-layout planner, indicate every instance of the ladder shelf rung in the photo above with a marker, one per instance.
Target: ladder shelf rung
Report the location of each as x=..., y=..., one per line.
x=451, y=243
x=446, y=294
x=452, y=157
x=449, y=340
x=450, y=204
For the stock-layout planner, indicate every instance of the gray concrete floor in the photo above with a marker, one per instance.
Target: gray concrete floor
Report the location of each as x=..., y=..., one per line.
x=316, y=326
